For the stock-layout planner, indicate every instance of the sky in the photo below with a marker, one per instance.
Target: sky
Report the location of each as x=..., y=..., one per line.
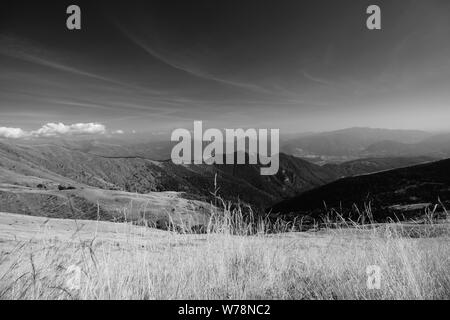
x=152, y=66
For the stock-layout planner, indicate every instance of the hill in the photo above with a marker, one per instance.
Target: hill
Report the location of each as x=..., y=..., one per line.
x=372, y=165
x=156, y=209
x=436, y=146
x=394, y=193
x=348, y=142
x=51, y=166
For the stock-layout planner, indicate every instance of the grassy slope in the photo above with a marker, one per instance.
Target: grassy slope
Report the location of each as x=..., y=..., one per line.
x=120, y=261
x=154, y=209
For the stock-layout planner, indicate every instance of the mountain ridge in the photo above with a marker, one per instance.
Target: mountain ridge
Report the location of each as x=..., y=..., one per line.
x=427, y=183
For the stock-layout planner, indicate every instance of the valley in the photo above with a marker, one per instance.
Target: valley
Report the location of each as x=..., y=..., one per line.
x=115, y=180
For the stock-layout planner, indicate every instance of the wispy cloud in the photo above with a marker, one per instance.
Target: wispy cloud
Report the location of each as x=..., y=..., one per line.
x=24, y=50
x=28, y=51
x=176, y=64
x=316, y=79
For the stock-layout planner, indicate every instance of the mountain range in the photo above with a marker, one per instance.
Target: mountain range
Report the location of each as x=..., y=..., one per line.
x=355, y=143
x=115, y=179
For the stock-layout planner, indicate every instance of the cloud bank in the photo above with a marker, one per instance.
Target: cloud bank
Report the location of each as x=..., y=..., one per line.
x=54, y=129
x=13, y=133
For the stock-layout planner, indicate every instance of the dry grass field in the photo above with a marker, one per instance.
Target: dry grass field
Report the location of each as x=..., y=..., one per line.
x=122, y=261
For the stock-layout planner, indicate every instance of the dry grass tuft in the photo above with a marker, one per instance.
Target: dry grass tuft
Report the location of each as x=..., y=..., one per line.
x=233, y=260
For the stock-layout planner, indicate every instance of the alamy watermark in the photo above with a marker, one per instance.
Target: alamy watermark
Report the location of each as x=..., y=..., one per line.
x=73, y=281
x=234, y=147
x=373, y=277
x=73, y=21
